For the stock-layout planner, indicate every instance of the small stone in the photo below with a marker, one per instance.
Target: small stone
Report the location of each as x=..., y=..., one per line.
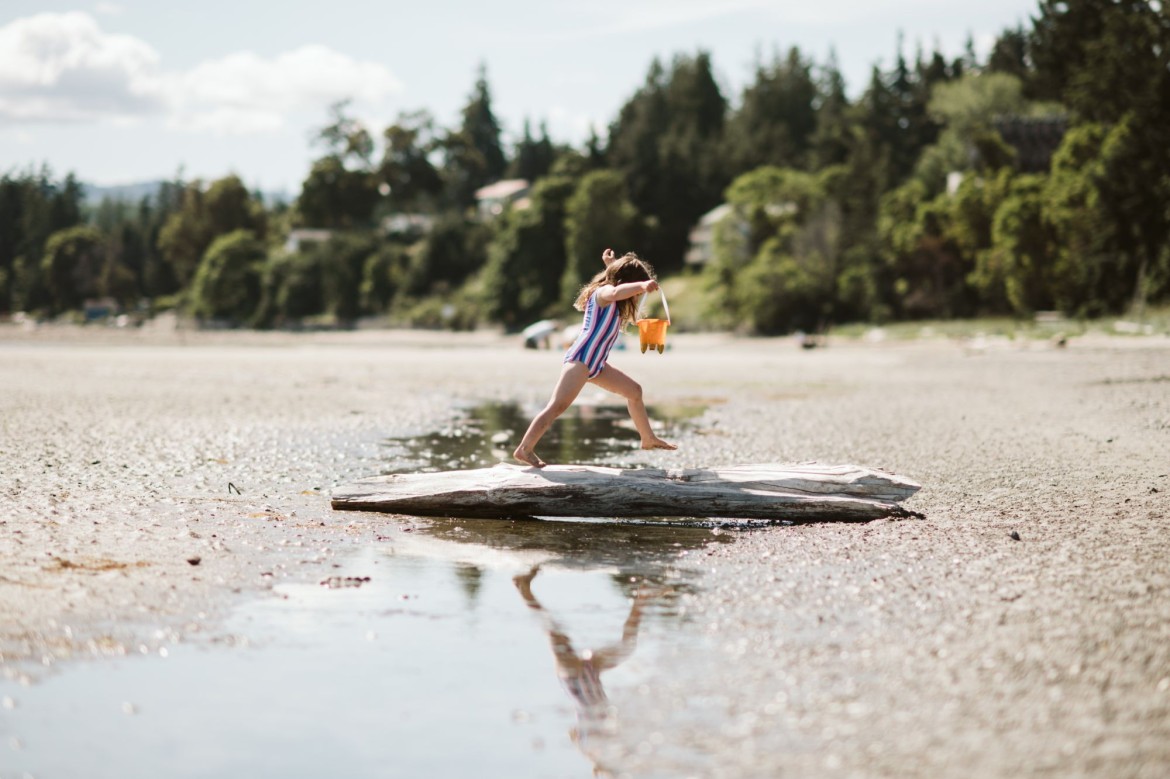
x=1015, y=536
x=194, y=560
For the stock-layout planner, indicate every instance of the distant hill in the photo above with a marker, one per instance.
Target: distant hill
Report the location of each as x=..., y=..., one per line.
x=134, y=192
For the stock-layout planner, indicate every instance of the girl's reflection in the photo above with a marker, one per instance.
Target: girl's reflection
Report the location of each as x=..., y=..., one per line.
x=580, y=673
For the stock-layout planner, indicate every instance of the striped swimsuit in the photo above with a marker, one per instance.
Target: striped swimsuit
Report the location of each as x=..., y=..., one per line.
x=599, y=331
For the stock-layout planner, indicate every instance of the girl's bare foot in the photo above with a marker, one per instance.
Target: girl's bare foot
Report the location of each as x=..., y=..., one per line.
x=658, y=443
x=528, y=457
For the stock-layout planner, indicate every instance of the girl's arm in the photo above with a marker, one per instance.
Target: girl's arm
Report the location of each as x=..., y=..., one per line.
x=607, y=257
x=610, y=294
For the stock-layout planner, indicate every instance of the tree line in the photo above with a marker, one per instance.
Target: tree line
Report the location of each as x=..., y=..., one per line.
x=1035, y=179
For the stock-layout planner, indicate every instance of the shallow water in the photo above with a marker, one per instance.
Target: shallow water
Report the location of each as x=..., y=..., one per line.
x=487, y=433
x=452, y=648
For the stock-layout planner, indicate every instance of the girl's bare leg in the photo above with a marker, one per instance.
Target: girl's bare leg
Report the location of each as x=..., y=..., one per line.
x=615, y=381
x=573, y=378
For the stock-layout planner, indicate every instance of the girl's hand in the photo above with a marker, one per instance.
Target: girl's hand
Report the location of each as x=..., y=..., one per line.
x=649, y=286
x=607, y=256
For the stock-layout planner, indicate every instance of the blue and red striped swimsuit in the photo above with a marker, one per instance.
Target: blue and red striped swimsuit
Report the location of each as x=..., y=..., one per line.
x=599, y=331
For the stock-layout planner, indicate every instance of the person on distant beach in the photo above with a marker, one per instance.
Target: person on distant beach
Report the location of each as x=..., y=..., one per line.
x=610, y=302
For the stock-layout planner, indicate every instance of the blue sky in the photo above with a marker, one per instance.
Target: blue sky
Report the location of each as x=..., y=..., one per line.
x=130, y=90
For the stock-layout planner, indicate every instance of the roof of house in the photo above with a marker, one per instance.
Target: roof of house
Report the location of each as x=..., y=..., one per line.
x=501, y=189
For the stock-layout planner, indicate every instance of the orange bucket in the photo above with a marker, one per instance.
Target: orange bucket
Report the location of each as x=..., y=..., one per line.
x=652, y=332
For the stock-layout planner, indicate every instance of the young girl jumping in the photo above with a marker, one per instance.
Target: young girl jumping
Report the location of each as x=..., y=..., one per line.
x=610, y=302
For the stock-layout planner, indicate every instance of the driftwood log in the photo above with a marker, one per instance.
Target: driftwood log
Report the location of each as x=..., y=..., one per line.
x=798, y=493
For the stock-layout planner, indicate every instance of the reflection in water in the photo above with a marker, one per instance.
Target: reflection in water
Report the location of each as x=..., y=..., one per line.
x=641, y=563
x=488, y=433
x=580, y=673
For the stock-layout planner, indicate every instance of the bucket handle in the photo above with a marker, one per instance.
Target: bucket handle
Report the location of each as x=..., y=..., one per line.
x=665, y=306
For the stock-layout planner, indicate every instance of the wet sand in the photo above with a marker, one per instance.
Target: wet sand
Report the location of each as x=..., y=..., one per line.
x=150, y=481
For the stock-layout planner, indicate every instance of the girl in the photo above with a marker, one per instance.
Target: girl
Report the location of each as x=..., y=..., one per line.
x=610, y=302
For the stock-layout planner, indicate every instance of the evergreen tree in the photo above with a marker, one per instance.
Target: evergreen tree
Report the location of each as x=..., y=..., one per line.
x=32, y=208
x=831, y=140
x=667, y=144
x=777, y=117
x=534, y=157
x=1011, y=54
x=483, y=131
x=406, y=168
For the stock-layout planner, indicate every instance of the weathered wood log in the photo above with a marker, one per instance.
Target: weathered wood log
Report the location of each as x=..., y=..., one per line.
x=800, y=493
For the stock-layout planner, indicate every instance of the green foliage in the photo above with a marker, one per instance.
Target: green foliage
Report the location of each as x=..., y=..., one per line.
x=1084, y=244
x=534, y=157
x=463, y=170
x=832, y=137
x=778, y=260
x=383, y=277
x=1020, y=258
x=926, y=263
x=32, y=207
x=341, y=190
x=291, y=289
x=204, y=215
x=414, y=181
x=777, y=118
x=481, y=127
x=345, y=138
x=526, y=258
x=454, y=248
x=336, y=197
x=342, y=260
x=72, y=266
x=1109, y=60
x=227, y=283
x=600, y=216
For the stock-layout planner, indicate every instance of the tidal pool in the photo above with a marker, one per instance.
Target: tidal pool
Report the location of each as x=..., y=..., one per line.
x=451, y=648
x=487, y=433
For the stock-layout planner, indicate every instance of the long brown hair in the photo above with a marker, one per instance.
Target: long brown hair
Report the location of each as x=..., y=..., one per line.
x=629, y=267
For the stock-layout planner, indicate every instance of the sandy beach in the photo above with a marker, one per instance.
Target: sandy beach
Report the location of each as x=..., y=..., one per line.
x=152, y=481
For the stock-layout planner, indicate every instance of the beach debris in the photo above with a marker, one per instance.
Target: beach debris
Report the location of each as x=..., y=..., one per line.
x=1014, y=536
x=338, y=582
x=194, y=560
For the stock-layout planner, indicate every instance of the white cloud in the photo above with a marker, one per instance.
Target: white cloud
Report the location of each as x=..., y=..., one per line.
x=64, y=67
x=110, y=9
x=243, y=92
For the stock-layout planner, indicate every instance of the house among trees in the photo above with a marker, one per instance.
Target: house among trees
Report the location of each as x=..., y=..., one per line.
x=702, y=235
x=408, y=224
x=494, y=198
x=1035, y=139
x=299, y=237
